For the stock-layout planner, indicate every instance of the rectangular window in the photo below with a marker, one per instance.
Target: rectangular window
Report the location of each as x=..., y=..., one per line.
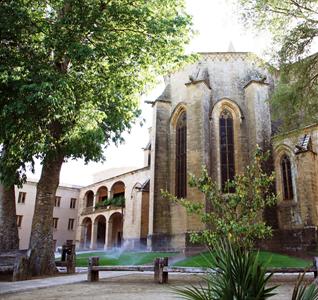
x=57, y=201
x=55, y=221
x=19, y=221
x=73, y=203
x=70, y=224
x=21, y=198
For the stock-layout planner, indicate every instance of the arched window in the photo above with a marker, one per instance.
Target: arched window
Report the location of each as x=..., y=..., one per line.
x=226, y=148
x=181, y=156
x=287, y=178
x=89, y=199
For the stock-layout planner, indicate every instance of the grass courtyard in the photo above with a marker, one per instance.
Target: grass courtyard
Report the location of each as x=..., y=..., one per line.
x=274, y=260
x=125, y=258
x=200, y=260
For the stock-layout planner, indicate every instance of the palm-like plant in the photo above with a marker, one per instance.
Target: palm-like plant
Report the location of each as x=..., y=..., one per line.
x=235, y=274
x=303, y=291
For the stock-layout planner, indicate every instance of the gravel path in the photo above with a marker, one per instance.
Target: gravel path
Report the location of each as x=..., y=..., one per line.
x=130, y=287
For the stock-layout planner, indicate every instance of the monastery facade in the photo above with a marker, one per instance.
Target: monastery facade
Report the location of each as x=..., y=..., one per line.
x=212, y=113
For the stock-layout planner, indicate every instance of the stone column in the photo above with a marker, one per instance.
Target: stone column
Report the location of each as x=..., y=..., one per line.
x=95, y=200
x=106, y=235
x=82, y=237
x=94, y=236
x=159, y=208
x=109, y=230
x=198, y=143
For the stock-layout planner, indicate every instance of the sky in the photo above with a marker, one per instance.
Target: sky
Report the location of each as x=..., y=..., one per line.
x=217, y=25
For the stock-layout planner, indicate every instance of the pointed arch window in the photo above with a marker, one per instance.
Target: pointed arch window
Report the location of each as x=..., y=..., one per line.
x=181, y=156
x=226, y=148
x=287, y=178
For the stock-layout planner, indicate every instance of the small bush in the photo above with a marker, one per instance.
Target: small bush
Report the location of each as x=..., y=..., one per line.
x=239, y=275
x=117, y=201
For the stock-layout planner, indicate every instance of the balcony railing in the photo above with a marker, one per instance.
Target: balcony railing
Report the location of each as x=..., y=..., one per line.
x=109, y=207
x=88, y=210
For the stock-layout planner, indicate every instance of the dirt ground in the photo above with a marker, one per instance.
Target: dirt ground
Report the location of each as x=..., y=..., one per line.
x=129, y=287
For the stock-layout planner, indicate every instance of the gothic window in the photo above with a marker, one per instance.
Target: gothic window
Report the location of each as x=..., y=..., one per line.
x=181, y=156
x=287, y=178
x=226, y=149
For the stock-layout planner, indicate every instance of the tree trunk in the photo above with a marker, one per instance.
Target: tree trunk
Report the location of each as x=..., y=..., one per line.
x=42, y=260
x=9, y=238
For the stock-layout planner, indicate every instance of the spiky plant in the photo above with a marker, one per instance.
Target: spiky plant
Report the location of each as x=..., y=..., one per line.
x=235, y=273
x=303, y=291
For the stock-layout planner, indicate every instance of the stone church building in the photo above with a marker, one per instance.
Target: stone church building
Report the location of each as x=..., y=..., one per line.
x=212, y=113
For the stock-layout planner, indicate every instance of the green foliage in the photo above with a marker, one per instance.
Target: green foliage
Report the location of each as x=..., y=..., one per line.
x=72, y=72
x=116, y=201
x=294, y=27
x=294, y=101
x=237, y=215
x=239, y=275
x=303, y=291
x=124, y=259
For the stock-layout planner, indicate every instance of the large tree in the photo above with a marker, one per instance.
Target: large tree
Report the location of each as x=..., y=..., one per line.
x=83, y=66
x=15, y=135
x=294, y=27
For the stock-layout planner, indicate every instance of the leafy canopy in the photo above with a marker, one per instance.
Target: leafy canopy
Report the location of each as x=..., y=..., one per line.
x=237, y=215
x=72, y=72
x=294, y=27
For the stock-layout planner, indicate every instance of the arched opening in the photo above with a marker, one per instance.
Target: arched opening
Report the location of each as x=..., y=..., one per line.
x=287, y=178
x=226, y=149
x=86, y=232
x=115, y=232
x=118, y=189
x=181, y=156
x=89, y=197
x=118, y=194
x=102, y=194
x=100, y=223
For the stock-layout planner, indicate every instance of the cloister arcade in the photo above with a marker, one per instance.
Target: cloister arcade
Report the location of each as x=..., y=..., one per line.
x=102, y=194
x=103, y=223
x=105, y=233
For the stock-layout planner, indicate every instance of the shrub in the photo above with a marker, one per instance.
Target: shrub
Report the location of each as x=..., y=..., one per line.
x=237, y=215
x=116, y=201
x=239, y=274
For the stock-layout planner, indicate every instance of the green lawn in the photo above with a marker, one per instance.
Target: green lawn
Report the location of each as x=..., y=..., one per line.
x=200, y=260
x=126, y=258
x=275, y=260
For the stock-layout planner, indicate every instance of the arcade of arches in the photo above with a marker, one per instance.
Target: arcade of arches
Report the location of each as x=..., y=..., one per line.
x=103, y=222
x=102, y=233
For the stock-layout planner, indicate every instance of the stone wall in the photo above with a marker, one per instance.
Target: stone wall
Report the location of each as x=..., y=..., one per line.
x=233, y=81
x=132, y=181
x=301, y=211
x=291, y=240
x=60, y=234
